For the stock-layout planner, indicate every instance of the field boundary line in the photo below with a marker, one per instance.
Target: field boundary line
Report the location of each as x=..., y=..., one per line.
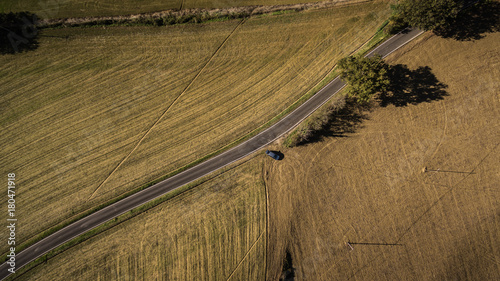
x=444, y=131
x=167, y=110
x=244, y=257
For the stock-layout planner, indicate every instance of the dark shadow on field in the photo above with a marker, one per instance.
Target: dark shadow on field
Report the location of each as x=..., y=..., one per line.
x=348, y=119
x=473, y=22
x=12, y=42
x=280, y=154
x=406, y=87
x=412, y=86
x=18, y=32
x=288, y=271
x=341, y=122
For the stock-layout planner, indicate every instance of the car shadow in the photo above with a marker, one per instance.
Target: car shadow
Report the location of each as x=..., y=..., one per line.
x=280, y=155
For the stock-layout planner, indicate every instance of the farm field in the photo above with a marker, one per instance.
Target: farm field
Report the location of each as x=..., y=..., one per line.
x=214, y=231
x=48, y=9
x=369, y=187
x=79, y=106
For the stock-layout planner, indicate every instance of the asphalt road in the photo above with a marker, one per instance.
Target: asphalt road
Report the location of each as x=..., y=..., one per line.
x=250, y=146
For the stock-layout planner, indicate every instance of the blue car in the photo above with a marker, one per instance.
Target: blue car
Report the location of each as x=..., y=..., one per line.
x=273, y=155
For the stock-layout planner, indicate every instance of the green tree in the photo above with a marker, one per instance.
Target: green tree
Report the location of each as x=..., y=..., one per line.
x=430, y=14
x=364, y=76
x=396, y=21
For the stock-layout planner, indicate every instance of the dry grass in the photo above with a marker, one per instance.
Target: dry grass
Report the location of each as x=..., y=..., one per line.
x=75, y=8
x=76, y=113
x=210, y=232
x=76, y=108
x=369, y=187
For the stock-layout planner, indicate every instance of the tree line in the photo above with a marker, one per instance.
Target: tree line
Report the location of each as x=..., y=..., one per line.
x=457, y=19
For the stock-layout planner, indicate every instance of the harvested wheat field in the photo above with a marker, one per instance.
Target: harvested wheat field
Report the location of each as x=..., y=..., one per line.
x=412, y=193
x=211, y=232
x=96, y=112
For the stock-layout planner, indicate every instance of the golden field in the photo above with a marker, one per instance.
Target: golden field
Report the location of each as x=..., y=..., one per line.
x=96, y=112
x=214, y=231
x=367, y=188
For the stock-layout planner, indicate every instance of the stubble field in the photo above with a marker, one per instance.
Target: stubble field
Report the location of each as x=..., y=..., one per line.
x=215, y=231
x=369, y=188
x=95, y=112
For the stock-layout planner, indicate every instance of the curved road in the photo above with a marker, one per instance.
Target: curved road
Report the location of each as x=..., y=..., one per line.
x=250, y=146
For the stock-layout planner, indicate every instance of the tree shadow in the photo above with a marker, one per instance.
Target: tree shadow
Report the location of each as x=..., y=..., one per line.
x=341, y=122
x=17, y=45
x=473, y=22
x=347, y=120
x=412, y=86
x=406, y=87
